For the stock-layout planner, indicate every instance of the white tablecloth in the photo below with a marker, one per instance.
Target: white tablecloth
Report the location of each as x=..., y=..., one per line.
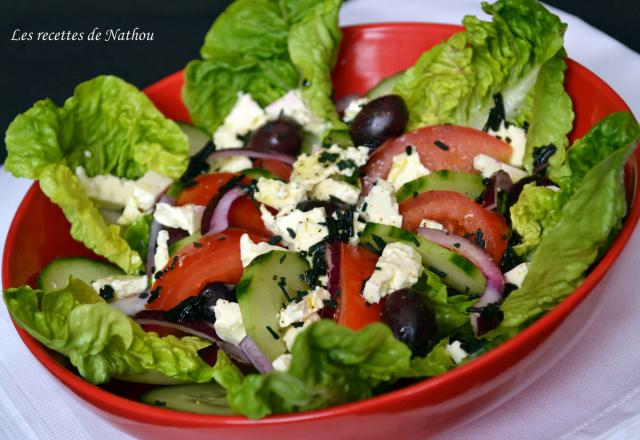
x=594, y=393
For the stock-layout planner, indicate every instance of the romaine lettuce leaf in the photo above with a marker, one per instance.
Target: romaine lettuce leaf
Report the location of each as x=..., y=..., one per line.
x=100, y=341
x=265, y=48
x=107, y=127
x=531, y=214
x=437, y=361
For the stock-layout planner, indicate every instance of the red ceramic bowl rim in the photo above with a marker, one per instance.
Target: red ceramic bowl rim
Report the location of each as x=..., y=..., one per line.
x=130, y=409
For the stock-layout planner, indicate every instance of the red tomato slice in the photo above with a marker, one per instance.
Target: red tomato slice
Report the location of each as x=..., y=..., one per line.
x=459, y=215
x=215, y=257
x=458, y=146
x=356, y=266
x=280, y=169
x=245, y=214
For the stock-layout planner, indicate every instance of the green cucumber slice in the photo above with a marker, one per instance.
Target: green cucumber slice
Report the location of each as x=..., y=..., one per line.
x=197, y=138
x=455, y=270
x=195, y=398
x=56, y=274
x=467, y=184
x=178, y=245
x=261, y=296
x=384, y=87
x=256, y=173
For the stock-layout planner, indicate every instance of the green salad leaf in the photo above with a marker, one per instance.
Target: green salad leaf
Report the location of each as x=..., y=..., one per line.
x=137, y=235
x=531, y=214
x=517, y=55
x=107, y=127
x=102, y=342
x=437, y=361
x=265, y=48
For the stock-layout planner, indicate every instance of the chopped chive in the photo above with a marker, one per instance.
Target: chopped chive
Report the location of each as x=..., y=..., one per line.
x=159, y=403
x=155, y=293
x=275, y=240
x=437, y=271
x=438, y=143
x=297, y=324
x=479, y=239
x=456, y=245
x=379, y=241
x=106, y=292
x=282, y=285
x=273, y=333
x=329, y=303
x=291, y=232
x=409, y=150
x=197, y=244
x=283, y=258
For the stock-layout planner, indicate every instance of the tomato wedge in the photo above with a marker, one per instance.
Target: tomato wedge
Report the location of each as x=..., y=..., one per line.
x=214, y=257
x=280, y=169
x=356, y=266
x=441, y=147
x=245, y=214
x=459, y=215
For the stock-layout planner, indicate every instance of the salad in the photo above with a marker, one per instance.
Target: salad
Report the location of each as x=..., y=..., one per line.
x=287, y=252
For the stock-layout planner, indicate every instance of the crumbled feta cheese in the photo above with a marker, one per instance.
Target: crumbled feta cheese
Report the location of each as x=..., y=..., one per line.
x=299, y=229
x=311, y=169
x=354, y=108
x=245, y=116
x=186, y=217
x=282, y=362
x=380, y=205
x=231, y=164
x=516, y=137
x=432, y=224
x=299, y=311
x=146, y=190
x=399, y=266
x=292, y=104
x=229, y=326
x=123, y=285
x=456, y=351
x=292, y=333
x=488, y=166
x=106, y=190
x=553, y=188
x=250, y=250
x=517, y=275
x=161, y=257
x=280, y=195
x=332, y=189
x=405, y=168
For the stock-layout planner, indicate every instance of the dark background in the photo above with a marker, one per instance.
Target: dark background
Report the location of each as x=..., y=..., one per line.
x=31, y=70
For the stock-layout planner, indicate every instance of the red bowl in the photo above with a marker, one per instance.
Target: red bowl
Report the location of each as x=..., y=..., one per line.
x=39, y=233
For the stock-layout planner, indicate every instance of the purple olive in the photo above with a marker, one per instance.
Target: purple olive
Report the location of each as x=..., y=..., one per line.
x=283, y=135
x=383, y=118
x=411, y=319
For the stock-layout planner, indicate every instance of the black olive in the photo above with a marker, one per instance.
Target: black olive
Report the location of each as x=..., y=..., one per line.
x=383, y=118
x=283, y=135
x=197, y=308
x=412, y=320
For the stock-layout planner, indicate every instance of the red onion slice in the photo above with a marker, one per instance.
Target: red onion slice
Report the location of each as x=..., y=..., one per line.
x=216, y=215
x=254, y=154
x=472, y=252
x=500, y=181
x=332, y=257
x=255, y=355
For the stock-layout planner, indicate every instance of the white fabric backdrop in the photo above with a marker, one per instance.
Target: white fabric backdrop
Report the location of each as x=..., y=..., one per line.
x=594, y=393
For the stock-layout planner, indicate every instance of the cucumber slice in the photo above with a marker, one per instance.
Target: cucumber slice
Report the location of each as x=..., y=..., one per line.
x=261, y=295
x=56, y=274
x=384, y=87
x=197, y=138
x=455, y=270
x=256, y=173
x=178, y=245
x=467, y=184
x=207, y=398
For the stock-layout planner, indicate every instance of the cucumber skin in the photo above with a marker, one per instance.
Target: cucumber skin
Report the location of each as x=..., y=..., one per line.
x=461, y=274
x=261, y=299
x=181, y=398
x=197, y=138
x=466, y=184
x=178, y=245
x=85, y=269
x=384, y=87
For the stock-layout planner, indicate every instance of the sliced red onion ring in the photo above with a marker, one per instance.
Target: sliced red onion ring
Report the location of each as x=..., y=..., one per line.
x=332, y=257
x=254, y=154
x=255, y=355
x=131, y=304
x=500, y=181
x=216, y=215
x=472, y=252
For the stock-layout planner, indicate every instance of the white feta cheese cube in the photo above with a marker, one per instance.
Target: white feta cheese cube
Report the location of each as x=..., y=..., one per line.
x=332, y=189
x=229, y=326
x=311, y=169
x=354, y=108
x=299, y=311
x=405, y=168
x=517, y=275
x=250, y=250
x=514, y=136
x=432, y=224
x=123, y=285
x=399, y=267
x=292, y=332
x=148, y=189
x=293, y=105
x=488, y=166
x=231, y=164
x=106, y=190
x=161, y=257
x=299, y=230
x=457, y=353
x=245, y=116
x=186, y=217
x=280, y=195
x=282, y=362
x=380, y=205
